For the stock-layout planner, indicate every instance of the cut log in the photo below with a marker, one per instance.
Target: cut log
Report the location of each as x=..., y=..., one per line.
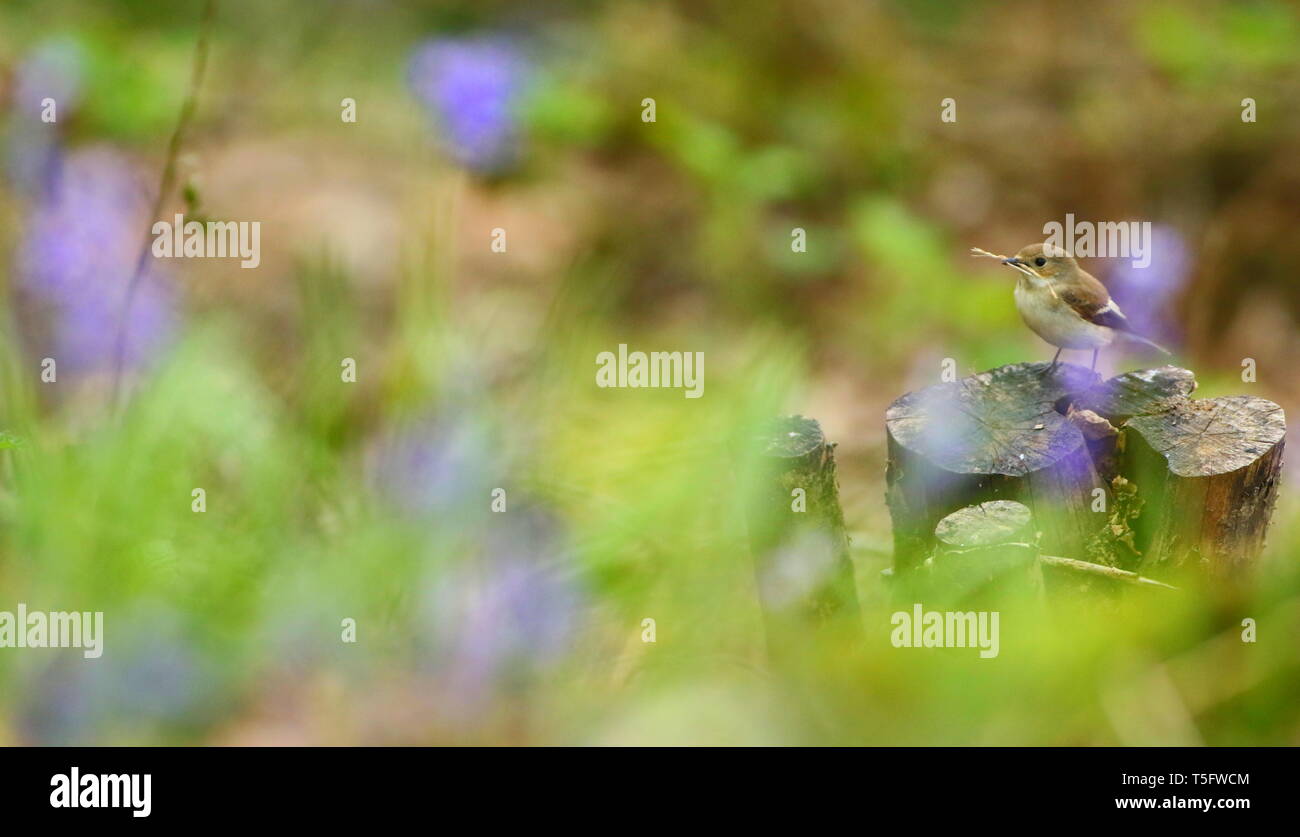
x=994, y=523
x=985, y=552
x=991, y=436
x=1208, y=472
x=796, y=527
x=1187, y=482
x=1100, y=410
x=989, y=553
x=1142, y=393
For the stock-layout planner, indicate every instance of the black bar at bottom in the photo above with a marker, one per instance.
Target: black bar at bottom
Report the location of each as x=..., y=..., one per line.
x=336, y=785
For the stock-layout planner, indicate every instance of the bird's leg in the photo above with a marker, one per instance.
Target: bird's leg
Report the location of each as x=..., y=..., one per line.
x=1094, y=359
x=1051, y=367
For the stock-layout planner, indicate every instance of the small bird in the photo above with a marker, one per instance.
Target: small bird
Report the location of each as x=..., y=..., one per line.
x=1064, y=304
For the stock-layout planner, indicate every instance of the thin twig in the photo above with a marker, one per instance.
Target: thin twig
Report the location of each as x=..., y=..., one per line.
x=1086, y=567
x=1102, y=570
x=188, y=106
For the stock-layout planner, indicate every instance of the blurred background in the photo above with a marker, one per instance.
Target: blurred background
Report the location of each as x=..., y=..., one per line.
x=329, y=500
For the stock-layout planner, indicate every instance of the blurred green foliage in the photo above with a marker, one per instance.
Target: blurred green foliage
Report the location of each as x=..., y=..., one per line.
x=672, y=235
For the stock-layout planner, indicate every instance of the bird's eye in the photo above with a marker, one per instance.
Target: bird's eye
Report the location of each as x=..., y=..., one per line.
x=1040, y=261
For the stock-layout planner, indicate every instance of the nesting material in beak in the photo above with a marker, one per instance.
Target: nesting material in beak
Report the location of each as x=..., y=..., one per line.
x=1015, y=263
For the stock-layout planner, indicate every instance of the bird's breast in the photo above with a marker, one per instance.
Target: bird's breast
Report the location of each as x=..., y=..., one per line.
x=1052, y=319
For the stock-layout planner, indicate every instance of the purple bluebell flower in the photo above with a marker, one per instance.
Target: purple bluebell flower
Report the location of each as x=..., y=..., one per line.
x=51, y=71
x=472, y=89
x=497, y=619
x=34, y=159
x=1147, y=293
x=436, y=465
x=148, y=680
x=77, y=258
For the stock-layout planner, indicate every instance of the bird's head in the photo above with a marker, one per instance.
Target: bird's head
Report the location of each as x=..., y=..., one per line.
x=1043, y=261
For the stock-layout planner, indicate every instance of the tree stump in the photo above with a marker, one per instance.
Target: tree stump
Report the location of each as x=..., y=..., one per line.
x=796, y=527
x=1099, y=410
x=993, y=523
x=1142, y=393
x=987, y=551
x=992, y=436
x=1186, y=482
x=1209, y=472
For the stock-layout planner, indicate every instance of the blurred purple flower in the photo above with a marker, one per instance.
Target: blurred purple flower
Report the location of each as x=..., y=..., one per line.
x=435, y=465
x=51, y=71
x=146, y=680
x=1147, y=293
x=77, y=258
x=471, y=88
x=517, y=608
x=34, y=158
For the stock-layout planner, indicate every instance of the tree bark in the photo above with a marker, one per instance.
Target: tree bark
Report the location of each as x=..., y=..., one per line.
x=992, y=436
x=797, y=533
x=1209, y=473
x=986, y=552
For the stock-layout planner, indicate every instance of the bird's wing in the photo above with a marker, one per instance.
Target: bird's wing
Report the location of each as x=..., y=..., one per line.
x=1089, y=299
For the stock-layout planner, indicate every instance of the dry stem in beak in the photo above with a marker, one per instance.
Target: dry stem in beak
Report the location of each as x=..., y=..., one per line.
x=1023, y=267
x=1007, y=260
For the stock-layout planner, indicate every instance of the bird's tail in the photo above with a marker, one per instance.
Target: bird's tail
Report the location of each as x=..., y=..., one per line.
x=1140, y=339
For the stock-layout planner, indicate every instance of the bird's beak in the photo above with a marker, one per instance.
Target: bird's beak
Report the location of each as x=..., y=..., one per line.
x=1019, y=266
